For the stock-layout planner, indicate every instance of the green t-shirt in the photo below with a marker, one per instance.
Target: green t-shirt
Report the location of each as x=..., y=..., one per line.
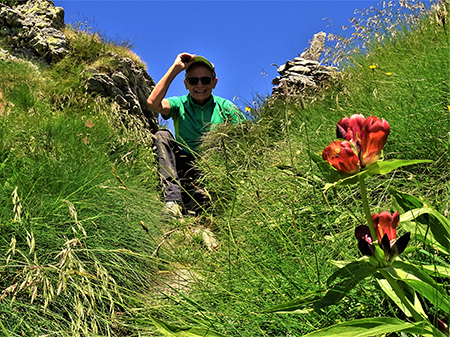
x=191, y=121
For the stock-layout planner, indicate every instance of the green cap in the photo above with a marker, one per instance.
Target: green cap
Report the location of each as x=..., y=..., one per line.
x=203, y=60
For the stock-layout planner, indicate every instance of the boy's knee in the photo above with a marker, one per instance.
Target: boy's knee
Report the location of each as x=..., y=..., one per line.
x=162, y=137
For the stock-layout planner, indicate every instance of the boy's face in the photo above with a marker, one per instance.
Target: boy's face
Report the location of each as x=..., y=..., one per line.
x=200, y=92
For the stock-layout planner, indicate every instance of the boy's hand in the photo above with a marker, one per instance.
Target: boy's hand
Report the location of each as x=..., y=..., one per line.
x=184, y=60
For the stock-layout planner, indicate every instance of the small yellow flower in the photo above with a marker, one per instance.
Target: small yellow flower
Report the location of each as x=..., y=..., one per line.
x=373, y=66
x=388, y=74
x=248, y=109
x=448, y=107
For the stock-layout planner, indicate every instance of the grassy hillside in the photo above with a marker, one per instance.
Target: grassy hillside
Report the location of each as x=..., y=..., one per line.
x=83, y=250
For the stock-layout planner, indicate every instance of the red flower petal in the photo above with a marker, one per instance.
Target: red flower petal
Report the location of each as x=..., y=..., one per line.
x=386, y=223
x=374, y=133
x=341, y=156
x=350, y=128
x=363, y=232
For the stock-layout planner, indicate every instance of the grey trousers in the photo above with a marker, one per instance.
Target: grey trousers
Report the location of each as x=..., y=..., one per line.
x=176, y=167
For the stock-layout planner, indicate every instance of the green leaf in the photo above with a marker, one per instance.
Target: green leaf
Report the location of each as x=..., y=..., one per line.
x=367, y=327
x=437, y=270
x=380, y=167
x=386, y=287
x=350, y=180
x=404, y=296
x=409, y=270
x=438, y=225
x=428, y=239
x=439, y=298
x=404, y=202
x=427, y=224
x=354, y=271
x=345, y=279
x=421, y=282
x=384, y=167
x=175, y=331
x=301, y=305
x=411, y=297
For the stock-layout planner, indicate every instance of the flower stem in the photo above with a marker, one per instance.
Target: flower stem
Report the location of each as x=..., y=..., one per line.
x=5, y=332
x=362, y=186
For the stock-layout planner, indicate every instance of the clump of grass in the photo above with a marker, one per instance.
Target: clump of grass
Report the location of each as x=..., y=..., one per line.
x=73, y=250
x=87, y=45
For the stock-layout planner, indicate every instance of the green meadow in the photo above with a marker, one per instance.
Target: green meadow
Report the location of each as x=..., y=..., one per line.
x=84, y=250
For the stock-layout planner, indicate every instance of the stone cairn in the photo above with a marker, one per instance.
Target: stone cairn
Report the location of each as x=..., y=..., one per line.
x=304, y=75
x=33, y=30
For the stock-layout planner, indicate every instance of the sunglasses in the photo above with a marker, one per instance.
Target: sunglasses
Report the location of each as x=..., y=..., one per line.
x=204, y=80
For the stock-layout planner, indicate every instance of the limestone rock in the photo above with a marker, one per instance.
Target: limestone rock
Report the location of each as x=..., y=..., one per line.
x=33, y=30
x=34, y=25
x=300, y=70
x=315, y=50
x=50, y=43
x=5, y=55
x=301, y=79
x=208, y=238
x=276, y=80
x=300, y=61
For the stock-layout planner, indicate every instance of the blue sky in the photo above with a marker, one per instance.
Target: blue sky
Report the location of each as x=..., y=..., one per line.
x=242, y=38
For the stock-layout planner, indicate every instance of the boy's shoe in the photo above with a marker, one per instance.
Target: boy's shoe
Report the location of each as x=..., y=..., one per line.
x=172, y=211
x=200, y=201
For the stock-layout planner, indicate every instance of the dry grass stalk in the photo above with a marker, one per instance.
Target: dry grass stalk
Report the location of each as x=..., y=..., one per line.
x=377, y=25
x=2, y=103
x=17, y=205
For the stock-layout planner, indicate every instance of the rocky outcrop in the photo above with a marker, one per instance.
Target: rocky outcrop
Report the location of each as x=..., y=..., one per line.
x=127, y=84
x=304, y=75
x=33, y=30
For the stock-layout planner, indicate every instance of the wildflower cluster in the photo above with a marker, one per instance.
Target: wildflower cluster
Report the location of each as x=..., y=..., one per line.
x=363, y=143
x=353, y=157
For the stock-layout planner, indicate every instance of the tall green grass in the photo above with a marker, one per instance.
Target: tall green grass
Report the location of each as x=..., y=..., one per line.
x=83, y=249
x=76, y=184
